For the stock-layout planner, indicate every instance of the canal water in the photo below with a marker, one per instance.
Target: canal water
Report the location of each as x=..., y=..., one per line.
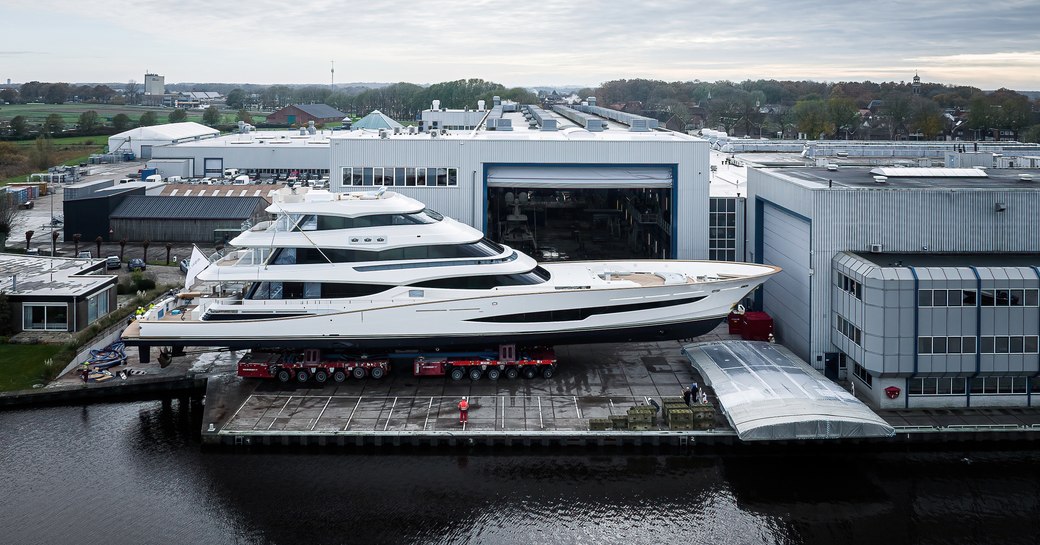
x=135, y=473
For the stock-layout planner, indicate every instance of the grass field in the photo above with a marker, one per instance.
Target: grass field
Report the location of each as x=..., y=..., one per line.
x=21, y=365
x=72, y=150
x=37, y=113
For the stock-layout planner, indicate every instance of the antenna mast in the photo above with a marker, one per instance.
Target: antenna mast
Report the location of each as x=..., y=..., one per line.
x=332, y=81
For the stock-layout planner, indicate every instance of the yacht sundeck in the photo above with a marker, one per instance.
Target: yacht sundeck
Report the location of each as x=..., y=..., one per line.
x=378, y=270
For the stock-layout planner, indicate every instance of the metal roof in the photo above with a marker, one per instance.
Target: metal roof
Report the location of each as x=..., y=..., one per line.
x=919, y=172
x=49, y=276
x=320, y=111
x=768, y=393
x=189, y=208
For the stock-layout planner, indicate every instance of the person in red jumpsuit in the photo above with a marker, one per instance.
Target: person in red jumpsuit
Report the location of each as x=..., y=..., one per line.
x=463, y=411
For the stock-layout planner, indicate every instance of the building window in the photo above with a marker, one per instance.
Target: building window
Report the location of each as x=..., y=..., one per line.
x=401, y=176
x=1013, y=344
x=850, y=286
x=850, y=331
x=97, y=306
x=946, y=298
x=937, y=386
x=49, y=316
x=722, y=229
x=1010, y=298
x=946, y=345
x=862, y=374
x=999, y=385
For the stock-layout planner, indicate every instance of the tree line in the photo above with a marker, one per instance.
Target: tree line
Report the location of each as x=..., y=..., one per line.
x=401, y=100
x=831, y=110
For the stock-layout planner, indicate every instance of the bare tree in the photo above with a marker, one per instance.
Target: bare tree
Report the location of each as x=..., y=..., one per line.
x=8, y=210
x=131, y=92
x=146, y=244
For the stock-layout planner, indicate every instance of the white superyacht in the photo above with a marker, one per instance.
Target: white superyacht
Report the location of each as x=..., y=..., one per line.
x=368, y=270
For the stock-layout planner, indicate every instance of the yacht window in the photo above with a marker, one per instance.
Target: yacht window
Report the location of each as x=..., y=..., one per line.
x=285, y=256
x=486, y=282
x=311, y=290
x=578, y=314
x=305, y=256
x=409, y=177
x=453, y=176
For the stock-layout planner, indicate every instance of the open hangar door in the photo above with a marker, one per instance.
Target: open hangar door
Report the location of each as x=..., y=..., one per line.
x=582, y=212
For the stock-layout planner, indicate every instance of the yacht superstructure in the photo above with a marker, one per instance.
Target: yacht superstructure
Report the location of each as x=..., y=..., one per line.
x=377, y=269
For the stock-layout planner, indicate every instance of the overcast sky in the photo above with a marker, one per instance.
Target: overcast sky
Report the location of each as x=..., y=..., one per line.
x=548, y=42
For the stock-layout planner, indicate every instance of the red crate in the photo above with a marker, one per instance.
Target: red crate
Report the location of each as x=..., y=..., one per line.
x=756, y=326
x=736, y=322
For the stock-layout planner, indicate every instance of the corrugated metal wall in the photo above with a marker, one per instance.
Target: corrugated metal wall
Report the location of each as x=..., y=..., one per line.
x=902, y=220
x=466, y=201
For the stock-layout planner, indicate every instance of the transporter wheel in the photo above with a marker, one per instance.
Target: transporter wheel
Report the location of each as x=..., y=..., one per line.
x=457, y=374
x=475, y=374
x=283, y=375
x=377, y=373
x=530, y=372
x=358, y=372
x=493, y=373
x=512, y=372
x=320, y=376
x=548, y=371
x=338, y=375
x=302, y=375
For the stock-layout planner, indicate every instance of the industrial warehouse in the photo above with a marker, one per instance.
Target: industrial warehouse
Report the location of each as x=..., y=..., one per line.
x=920, y=283
x=870, y=236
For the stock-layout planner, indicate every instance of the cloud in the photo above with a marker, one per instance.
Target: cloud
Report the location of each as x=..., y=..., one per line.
x=555, y=41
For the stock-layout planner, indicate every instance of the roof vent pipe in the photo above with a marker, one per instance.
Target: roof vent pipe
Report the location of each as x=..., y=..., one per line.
x=480, y=105
x=591, y=101
x=496, y=101
x=436, y=105
x=310, y=128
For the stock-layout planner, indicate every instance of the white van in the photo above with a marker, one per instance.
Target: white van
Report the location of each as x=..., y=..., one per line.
x=230, y=172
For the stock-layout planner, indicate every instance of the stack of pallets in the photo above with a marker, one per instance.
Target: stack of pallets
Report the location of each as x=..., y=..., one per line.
x=641, y=417
x=703, y=416
x=620, y=422
x=600, y=424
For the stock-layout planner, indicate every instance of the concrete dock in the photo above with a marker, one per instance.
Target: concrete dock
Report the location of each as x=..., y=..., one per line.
x=593, y=381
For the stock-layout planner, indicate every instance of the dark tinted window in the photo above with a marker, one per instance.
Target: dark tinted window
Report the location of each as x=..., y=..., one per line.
x=486, y=282
x=483, y=248
x=577, y=314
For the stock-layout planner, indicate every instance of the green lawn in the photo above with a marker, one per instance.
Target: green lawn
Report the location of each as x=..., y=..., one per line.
x=37, y=113
x=21, y=365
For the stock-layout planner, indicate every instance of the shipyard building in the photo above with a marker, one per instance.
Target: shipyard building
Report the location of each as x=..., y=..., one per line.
x=918, y=284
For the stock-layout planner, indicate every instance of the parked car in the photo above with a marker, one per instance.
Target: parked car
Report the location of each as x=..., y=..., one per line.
x=135, y=264
x=85, y=254
x=112, y=262
x=185, y=263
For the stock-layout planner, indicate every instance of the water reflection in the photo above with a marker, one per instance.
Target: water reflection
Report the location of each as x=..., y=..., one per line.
x=135, y=473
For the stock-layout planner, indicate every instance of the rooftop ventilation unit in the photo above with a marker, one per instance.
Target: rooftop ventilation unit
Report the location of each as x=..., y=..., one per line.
x=589, y=122
x=876, y=248
x=505, y=125
x=397, y=130
x=591, y=101
x=614, y=115
x=382, y=133
x=480, y=105
x=639, y=125
x=412, y=129
x=491, y=124
x=545, y=120
x=436, y=105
